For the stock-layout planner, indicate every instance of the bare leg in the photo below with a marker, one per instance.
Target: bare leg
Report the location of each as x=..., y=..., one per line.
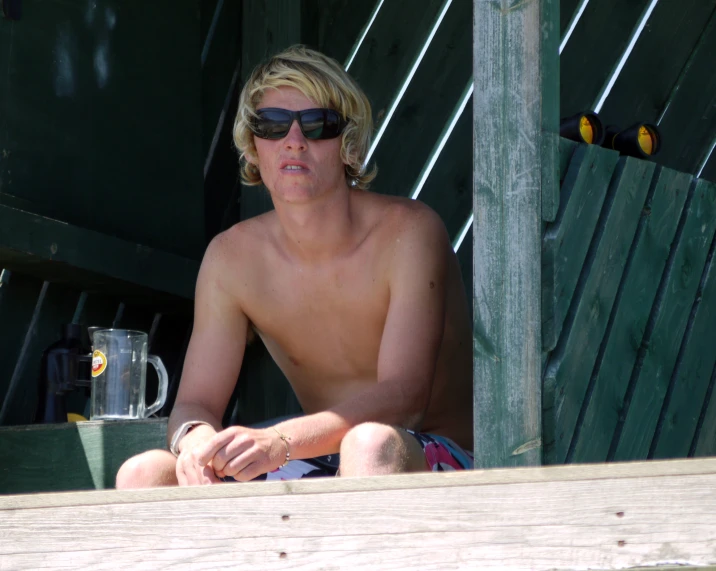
x=148, y=470
x=372, y=449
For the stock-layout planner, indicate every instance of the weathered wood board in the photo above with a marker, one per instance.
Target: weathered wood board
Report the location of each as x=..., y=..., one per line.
x=569, y=368
x=571, y=517
x=647, y=258
x=663, y=333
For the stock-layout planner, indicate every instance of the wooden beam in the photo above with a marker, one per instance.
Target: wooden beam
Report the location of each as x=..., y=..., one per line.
x=508, y=212
x=615, y=516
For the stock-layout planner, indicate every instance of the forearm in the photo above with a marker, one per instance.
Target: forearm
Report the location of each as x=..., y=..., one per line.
x=186, y=412
x=385, y=402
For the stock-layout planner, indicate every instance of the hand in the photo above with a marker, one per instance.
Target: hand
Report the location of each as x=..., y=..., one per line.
x=188, y=470
x=243, y=453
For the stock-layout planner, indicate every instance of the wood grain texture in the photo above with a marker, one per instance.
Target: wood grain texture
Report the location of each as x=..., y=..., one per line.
x=660, y=350
x=550, y=38
x=610, y=377
x=566, y=241
x=568, y=371
x=508, y=212
x=688, y=387
x=69, y=456
x=597, y=518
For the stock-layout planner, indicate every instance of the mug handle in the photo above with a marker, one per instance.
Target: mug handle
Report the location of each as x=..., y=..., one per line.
x=163, y=385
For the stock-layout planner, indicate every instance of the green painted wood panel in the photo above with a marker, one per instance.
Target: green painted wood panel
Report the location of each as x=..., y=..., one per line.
x=428, y=105
x=66, y=457
x=689, y=125
x=57, y=251
x=507, y=202
x=390, y=49
x=465, y=259
x=598, y=41
x=549, y=160
x=17, y=305
x=55, y=306
x=690, y=381
x=609, y=379
x=114, y=89
x=709, y=172
x=659, y=350
x=659, y=55
x=567, y=10
x=569, y=367
x=566, y=151
x=566, y=242
x=705, y=438
x=448, y=188
x=334, y=26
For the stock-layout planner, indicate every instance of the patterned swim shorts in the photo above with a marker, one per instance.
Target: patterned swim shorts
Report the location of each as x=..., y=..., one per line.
x=441, y=455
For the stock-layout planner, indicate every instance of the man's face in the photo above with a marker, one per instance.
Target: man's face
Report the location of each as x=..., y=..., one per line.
x=296, y=169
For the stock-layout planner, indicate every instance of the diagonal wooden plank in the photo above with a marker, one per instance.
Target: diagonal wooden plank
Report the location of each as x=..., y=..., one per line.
x=566, y=241
x=448, y=189
x=610, y=378
x=584, y=69
x=660, y=345
x=390, y=49
x=689, y=124
x=660, y=53
x=689, y=386
x=567, y=375
x=427, y=105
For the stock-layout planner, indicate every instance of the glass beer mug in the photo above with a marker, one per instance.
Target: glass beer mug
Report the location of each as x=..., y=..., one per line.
x=119, y=375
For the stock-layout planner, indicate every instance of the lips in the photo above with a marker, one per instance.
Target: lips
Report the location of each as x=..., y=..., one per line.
x=293, y=166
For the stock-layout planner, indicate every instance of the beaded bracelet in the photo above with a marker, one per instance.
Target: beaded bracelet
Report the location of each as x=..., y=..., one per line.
x=285, y=441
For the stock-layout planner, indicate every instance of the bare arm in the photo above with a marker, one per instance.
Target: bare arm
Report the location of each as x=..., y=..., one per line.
x=407, y=359
x=215, y=351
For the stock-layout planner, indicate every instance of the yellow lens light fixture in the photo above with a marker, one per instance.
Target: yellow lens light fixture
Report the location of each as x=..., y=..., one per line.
x=642, y=140
x=583, y=127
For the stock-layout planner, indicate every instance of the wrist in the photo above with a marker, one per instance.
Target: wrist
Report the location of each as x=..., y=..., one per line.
x=285, y=448
x=182, y=432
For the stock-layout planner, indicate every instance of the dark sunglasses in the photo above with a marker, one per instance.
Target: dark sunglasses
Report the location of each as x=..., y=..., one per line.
x=274, y=123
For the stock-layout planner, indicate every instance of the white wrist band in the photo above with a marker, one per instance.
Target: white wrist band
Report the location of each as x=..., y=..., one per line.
x=181, y=433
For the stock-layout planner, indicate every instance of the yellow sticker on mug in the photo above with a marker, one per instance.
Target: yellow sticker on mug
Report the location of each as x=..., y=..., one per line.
x=99, y=363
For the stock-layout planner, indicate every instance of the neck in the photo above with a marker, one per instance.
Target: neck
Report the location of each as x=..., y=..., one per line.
x=320, y=229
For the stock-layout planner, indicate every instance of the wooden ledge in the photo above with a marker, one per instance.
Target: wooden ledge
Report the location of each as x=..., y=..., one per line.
x=623, y=516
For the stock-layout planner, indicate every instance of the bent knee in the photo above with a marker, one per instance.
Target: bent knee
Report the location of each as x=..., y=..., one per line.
x=146, y=470
x=372, y=440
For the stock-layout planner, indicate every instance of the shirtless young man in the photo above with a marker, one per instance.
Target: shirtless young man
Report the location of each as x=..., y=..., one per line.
x=357, y=296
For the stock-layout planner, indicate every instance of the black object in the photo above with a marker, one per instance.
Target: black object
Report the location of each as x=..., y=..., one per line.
x=584, y=127
x=66, y=367
x=641, y=140
x=11, y=9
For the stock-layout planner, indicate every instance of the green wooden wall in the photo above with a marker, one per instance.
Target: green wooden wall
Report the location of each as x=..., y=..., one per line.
x=627, y=282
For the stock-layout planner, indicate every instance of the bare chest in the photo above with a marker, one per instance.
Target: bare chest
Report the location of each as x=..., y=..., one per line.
x=326, y=322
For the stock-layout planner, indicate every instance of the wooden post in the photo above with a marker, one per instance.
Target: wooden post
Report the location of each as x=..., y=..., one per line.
x=507, y=202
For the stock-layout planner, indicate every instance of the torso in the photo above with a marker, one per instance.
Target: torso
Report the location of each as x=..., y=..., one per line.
x=323, y=323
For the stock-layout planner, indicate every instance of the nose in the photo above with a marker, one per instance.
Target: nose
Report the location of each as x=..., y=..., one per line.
x=295, y=138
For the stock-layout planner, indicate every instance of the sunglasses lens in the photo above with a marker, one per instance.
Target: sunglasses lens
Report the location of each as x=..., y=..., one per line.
x=313, y=123
x=272, y=124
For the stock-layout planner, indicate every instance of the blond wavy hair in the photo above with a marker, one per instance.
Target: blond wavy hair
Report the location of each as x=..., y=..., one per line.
x=322, y=80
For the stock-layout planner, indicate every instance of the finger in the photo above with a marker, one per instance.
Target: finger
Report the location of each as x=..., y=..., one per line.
x=208, y=476
x=205, y=453
x=249, y=472
x=238, y=446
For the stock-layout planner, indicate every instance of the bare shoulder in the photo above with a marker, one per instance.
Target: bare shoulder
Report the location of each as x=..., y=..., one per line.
x=405, y=221
x=236, y=250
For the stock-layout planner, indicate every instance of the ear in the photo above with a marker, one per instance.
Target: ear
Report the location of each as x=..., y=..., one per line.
x=251, y=158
